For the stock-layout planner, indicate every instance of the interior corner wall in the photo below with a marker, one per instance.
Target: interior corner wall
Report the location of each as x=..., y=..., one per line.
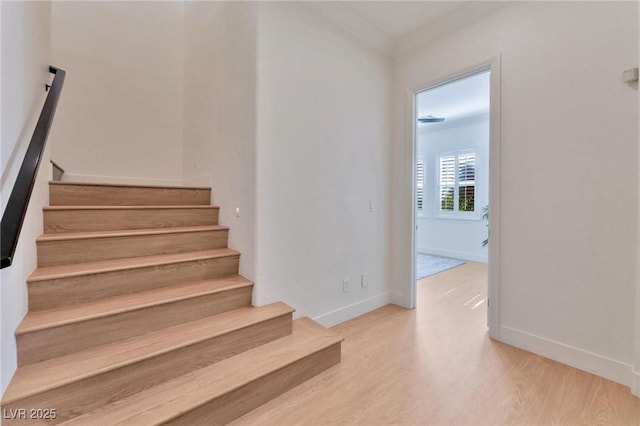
x=25, y=39
x=120, y=119
x=220, y=113
x=436, y=234
x=322, y=158
x=569, y=199
x=635, y=386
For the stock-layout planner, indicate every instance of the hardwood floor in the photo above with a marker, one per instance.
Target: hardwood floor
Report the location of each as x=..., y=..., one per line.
x=437, y=366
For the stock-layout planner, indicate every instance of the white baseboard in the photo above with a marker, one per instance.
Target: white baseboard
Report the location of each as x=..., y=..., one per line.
x=354, y=310
x=398, y=298
x=635, y=383
x=70, y=177
x=599, y=365
x=473, y=257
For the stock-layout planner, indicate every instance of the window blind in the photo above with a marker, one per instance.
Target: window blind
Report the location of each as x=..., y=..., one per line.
x=466, y=182
x=457, y=182
x=447, y=181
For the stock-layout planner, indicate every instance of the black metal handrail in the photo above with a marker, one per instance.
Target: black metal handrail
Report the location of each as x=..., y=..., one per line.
x=16, y=209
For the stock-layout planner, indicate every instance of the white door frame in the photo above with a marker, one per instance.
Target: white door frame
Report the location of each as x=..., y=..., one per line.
x=493, y=65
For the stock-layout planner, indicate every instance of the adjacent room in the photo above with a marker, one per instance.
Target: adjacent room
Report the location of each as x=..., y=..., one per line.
x=452, y=174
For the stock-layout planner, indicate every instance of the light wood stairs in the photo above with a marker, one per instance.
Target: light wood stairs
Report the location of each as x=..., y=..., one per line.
x=137, y=316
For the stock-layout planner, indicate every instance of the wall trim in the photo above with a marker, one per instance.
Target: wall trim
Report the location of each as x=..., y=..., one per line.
x=353, y=24
x=398, y=298
x=635, y=383
x=454, y=254
x=459, y=18
x=354, y=310
x=581, y=359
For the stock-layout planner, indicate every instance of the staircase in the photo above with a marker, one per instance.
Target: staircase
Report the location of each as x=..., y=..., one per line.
x=137, y=315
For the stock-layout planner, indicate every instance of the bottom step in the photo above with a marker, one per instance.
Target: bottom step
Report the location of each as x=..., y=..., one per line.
x=224, y=391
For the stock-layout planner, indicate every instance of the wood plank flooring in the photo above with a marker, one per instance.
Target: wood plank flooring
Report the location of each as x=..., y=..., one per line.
x=436, y=365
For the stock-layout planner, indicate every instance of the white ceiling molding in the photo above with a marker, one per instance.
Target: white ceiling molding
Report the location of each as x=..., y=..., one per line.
x=447, y=24
x=353, y=24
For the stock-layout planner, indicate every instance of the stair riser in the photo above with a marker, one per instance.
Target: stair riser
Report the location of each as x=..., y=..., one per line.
x=118, y=219
x=62, y=252
x=95, y=195
x=232, y=405
x=86, y=395
x=62, y=340
x=61, y=292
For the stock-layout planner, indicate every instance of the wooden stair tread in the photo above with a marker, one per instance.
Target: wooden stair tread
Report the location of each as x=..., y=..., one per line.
x=58, y=236
x=123, y=330
x=32, y=379
x=168, y=400
x=145, y=207
x=40, y=320
x=87, y=268
x=119, y=185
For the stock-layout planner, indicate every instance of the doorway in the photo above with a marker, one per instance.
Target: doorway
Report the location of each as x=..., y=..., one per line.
x=455, y=138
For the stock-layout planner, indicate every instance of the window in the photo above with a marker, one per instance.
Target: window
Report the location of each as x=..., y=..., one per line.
x=420, y=185
x=467, y=182
x=457, y=182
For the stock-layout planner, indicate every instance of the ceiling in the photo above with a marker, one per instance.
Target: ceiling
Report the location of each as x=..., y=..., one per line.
x=398, y=18
x=458, y=99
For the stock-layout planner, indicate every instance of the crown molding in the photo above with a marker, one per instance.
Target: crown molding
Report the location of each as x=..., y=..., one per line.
x=347, y=20
x=455, y=20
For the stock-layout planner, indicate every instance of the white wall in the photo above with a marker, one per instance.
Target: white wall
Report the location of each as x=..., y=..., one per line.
x=219, y=113
x=635, y=386
x=436, y=234
x=322, y=154
x=121, y=116
x=25, y=70
x=569, y=157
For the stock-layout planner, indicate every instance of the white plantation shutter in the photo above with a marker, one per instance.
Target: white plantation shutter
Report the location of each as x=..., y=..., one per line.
x=466, y=182
x=457, y=182
x=447, y=182
x=420, y=185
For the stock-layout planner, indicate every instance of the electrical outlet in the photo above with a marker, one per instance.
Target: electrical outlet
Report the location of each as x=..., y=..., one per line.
x=345, y=285
x=363, y=283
